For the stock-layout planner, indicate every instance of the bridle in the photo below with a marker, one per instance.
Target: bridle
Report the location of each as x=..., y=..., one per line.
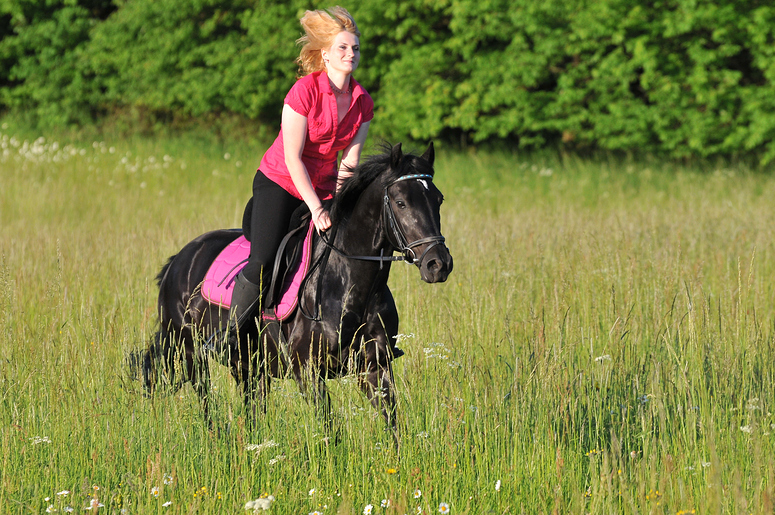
x=393, y=229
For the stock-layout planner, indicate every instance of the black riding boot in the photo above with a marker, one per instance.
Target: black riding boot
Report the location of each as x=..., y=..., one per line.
x=245, y=300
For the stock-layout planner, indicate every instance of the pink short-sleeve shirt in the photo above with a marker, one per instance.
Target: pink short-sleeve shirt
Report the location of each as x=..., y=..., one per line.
x=312, y=97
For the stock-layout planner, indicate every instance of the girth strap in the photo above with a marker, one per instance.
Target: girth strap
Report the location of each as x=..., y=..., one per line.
x=278, y=262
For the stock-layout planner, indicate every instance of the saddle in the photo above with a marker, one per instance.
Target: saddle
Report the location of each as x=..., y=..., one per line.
x=290, y=267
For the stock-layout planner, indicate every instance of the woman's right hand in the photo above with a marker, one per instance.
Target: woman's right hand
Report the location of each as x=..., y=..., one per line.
x=321, y=219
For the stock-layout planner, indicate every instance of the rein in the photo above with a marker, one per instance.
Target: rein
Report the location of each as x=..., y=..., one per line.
x=391, y=226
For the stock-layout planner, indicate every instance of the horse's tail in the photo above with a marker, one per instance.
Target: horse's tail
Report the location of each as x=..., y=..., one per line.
x=163, y=272
x=142, y=365
x=154, y=366
x=150, y=364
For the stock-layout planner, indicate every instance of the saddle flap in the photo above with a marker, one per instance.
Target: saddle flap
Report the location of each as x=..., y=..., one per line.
x=292, y=265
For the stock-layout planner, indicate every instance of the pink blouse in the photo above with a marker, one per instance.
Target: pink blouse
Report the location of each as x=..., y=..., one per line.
x=312, y=97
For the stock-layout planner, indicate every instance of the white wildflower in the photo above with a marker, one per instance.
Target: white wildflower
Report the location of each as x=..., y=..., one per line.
x=261, y=446
x=277, y=459
x=263, y=503
x=402, y=337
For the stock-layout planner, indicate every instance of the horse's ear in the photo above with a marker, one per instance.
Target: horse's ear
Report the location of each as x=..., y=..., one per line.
x=429, y=155
x=395, y=156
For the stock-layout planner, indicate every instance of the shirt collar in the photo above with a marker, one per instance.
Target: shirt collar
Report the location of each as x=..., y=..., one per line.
x=325, y=85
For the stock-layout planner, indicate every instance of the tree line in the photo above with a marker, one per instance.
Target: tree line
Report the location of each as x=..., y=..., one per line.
x=678, y=78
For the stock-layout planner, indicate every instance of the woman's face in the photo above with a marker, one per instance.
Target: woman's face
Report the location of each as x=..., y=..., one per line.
x=344, y=54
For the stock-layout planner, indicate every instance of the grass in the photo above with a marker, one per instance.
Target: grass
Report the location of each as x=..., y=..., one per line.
x=604, y=344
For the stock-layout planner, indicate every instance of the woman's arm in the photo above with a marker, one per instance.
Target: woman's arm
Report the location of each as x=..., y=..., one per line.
x=294, y=136
x=351, y=155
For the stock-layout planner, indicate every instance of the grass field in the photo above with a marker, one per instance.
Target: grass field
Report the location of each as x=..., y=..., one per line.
x=605, y=344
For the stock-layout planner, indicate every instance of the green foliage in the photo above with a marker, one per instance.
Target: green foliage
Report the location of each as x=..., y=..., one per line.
x=195, y=58
x=41, y=57
x=680, y=78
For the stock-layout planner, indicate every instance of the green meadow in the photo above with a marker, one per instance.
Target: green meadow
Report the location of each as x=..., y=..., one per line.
x=605, y=343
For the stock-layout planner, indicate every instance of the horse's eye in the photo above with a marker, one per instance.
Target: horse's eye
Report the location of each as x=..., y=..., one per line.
x=401, y=204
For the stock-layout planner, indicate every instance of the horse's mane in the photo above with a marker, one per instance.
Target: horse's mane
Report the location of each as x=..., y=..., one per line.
x=377, y=167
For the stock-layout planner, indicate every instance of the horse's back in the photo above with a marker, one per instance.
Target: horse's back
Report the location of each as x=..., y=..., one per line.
x=185, y=271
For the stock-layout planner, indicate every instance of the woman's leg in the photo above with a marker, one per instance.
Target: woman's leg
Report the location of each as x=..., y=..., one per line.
x=272, y=211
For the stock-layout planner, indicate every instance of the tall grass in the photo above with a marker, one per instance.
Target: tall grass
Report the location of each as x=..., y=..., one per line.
x=604, y=344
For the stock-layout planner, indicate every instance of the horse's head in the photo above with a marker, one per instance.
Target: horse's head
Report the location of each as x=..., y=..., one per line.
x=411, y=212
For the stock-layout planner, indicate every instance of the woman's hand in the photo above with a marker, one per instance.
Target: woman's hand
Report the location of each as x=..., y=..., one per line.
x=321, y=219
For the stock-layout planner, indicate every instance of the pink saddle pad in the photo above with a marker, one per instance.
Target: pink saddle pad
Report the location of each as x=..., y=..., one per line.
x=218, y=284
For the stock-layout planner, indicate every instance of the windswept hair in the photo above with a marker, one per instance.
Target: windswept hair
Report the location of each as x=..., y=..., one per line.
x=320, y=29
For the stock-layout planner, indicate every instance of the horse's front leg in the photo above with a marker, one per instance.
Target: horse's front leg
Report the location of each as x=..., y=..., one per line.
x=322, y=401
x=376, y=375
x=312, y=385
x=377, y=383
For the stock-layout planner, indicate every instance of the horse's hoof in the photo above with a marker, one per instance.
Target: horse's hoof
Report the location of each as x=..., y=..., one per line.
x=397, y=353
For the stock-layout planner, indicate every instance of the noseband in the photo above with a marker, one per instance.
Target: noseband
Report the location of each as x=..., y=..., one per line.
x=392, y=227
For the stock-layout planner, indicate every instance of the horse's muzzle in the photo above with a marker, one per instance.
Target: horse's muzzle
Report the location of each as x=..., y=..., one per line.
x=436, y=264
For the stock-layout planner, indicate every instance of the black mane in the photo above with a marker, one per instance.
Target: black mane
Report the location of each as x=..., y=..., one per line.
x=373, y=168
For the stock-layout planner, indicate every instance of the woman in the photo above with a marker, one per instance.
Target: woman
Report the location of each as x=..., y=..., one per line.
x=325, y=112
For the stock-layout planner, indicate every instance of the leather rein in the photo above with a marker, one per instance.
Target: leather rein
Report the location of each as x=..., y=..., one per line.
x=392, y=227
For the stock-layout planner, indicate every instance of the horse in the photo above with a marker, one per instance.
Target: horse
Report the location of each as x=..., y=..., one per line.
x=346, y=321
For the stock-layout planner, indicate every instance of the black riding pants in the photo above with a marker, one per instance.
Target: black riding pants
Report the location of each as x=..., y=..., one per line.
x=272, y=210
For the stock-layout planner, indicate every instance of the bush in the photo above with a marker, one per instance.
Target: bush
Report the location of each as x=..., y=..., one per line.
x=197, y=57
x=41, y=58
x=681, y=78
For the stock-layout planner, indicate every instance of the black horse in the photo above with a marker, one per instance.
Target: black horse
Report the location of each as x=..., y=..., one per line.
x=346, y=321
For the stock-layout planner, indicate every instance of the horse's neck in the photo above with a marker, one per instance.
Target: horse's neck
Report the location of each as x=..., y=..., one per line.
x=363, y=234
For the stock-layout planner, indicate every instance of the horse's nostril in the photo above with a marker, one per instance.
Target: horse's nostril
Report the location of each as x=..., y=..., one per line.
x=433, y=265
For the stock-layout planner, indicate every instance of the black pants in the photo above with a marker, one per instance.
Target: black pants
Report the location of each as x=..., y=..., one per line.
x=272, y=210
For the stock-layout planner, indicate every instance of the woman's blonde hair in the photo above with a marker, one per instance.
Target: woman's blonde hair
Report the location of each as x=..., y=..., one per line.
x=320, y=29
